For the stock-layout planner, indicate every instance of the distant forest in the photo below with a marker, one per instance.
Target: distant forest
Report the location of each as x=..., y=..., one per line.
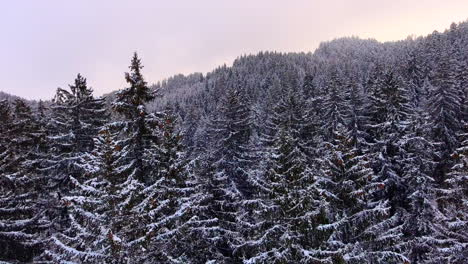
x=356, y=153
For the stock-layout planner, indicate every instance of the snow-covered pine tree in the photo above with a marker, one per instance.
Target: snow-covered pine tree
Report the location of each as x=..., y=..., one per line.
x=388, y=111
x=82, y=239
x=167, y=206
x=452, y=237
x=76, y=119
x=422, y=221
x=30, y=136
x=193, y=123
x=98, y=214
x=7, y=153
x=309, y=87
x=224, y=170
x=231, y=132
x=292, y=207
x=335, y=107
x=138, y=147
x=137, y=125
x=108, y=183
x=217, y=234
x=388, y=116
x=357, y=115
x=21, y=189
x=445, y=121
x=290, y=111
x=444, y=113
x=415, y=75
x=41, y=149
x=288, y=228
x=263, y=107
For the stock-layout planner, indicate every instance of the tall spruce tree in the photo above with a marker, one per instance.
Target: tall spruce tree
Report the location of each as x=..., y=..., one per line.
x=292, y=207
x=22, y=219
x=388, y=120
x=76, y=119
x=421, y=222
x=137, y=124
x=357, y=116
x=452, y=237
x=231, y=132
x=444, y=111
x=138, y=148
x=225, y=167
x=167, y=205
x=348, y=185
x=335, y=107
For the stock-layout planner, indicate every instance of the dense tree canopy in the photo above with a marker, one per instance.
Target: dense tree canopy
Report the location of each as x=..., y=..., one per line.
x=356, y=153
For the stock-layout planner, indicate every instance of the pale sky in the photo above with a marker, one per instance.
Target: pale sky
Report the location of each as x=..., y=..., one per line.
x=45, y=43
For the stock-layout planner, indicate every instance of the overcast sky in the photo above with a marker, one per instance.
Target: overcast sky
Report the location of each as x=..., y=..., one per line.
x=44, y=44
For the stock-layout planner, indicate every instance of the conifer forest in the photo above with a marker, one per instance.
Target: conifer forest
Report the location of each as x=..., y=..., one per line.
x=355, y=153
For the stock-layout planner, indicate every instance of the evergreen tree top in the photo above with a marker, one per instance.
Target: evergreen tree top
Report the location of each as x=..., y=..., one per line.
x=138, y=93
x=80, y=88
x=136, y=64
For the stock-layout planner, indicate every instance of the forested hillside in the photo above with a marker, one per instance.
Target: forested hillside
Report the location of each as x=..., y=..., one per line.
x=356, y=153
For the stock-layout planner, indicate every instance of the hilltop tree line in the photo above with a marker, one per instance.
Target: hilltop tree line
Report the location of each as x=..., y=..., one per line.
x=357, y=153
